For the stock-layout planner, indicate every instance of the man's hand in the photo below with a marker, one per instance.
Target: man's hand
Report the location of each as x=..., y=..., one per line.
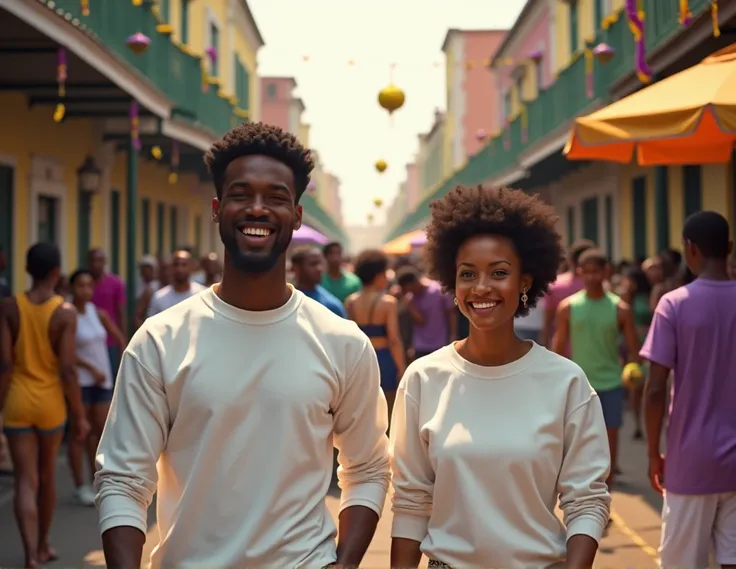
x=81, y=428
x=656, y=472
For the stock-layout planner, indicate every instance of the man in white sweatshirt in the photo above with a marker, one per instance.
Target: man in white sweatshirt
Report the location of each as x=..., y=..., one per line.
x=229, y=403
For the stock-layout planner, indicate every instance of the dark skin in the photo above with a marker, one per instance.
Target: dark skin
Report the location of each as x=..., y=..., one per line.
x=34, y=455
x=594, y=275
x=255, y=188
x=96, y=265
x=309, y=271
x=655, y=389
x=489, y=271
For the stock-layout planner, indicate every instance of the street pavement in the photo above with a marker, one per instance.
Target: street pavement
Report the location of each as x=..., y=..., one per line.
x=631, y=541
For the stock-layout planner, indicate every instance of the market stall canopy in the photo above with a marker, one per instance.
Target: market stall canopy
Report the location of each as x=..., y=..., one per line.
x=402, y=245
x=306, y=234
x=688, y=118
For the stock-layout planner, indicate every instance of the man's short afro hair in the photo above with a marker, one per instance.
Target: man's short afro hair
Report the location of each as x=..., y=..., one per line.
x=265, y=139
x=480, y=210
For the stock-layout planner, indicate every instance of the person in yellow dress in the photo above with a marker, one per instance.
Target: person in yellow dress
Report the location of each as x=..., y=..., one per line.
x=37, y=374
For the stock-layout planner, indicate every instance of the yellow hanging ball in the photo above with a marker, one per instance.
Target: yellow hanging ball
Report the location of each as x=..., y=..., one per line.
x=632, y=375
x=381, y=165
x=391, y=98
x=378, y=202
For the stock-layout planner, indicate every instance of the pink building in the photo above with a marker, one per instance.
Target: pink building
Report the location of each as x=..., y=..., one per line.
x=473, y=98
x=524, y=62
x=279, y=106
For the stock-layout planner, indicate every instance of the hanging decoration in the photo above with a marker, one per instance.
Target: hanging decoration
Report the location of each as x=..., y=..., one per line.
x=211, y=54
x=84, y=6
x=481, y=135
x=60, y=109
x=468, y=64
x=391, y=98
x=589, y=68
x=174, y=173
x=686, y=16
x=603, y=52
x=378, y=202
x=135, y=132
x=536, y=56
x=381, y=166
x=138, y=43
x=714, y=17
x=157, y=153
x=137, y=2
x=636, y=16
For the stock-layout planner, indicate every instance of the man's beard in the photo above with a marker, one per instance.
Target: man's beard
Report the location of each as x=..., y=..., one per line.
x=253, y=263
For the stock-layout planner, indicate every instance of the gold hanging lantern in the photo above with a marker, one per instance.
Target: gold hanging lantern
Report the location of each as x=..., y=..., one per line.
x=391, y=98
x=381, y=166
x=378, y=202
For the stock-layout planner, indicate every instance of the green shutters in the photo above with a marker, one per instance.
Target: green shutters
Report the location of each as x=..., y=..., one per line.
x=215, y=43
x=7, y=183
x=146, y=219
x=172, y=229
x=570, y=225
x=160, y=220
x=184, y=21
x=692, y=181
x=608, y=215
x=115, y=231
x=662, y=206
x=242, y=84
x=590, y=219
x=47, y=220
x=84, y=225
x=639, y=216
x=573, y=7
x=165, y=10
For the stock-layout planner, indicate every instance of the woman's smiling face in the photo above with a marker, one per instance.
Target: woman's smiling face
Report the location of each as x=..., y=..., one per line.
x=489, y=281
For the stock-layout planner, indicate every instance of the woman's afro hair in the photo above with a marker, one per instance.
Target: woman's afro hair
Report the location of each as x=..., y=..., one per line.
x=525, y=219
x=265, y=139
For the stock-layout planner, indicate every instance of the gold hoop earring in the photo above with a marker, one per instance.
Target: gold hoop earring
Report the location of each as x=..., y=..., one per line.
x=524, y=298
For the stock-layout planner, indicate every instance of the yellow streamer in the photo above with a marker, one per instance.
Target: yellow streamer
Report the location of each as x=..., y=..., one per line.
x=685, y=14
x=173, y=177
x=59, y=112
x=714, y=16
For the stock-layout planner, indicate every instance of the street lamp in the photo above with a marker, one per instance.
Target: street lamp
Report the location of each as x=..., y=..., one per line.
x=89, y=176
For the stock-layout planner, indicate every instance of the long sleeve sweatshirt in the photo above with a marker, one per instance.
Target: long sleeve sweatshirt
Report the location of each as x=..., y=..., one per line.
x=231, y=416
x=481, y=456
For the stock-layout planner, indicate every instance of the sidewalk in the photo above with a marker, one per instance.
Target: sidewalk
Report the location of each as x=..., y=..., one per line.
x=631, y=541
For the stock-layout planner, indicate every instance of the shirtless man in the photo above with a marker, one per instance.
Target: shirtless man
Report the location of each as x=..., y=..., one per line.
x=37, y=374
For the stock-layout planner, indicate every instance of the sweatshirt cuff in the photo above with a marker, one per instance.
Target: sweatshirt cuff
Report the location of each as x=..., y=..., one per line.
x=410, y=526
x=588, y=525
x=118, y=511
x=370, y=494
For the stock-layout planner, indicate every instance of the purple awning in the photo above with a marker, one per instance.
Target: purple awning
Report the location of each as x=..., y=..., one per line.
x=306, y=234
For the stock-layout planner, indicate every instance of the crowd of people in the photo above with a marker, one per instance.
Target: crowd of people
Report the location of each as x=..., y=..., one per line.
x=484, y=381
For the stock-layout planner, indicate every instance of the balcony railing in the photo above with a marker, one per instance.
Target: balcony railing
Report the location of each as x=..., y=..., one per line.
x=555, y=107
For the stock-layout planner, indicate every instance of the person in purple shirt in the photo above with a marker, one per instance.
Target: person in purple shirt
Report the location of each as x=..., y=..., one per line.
x=692, y=334
x=109, y=296
x=432, y=312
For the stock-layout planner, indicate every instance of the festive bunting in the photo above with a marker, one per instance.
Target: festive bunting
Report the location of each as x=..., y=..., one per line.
x=636, y=16
x=60, y=109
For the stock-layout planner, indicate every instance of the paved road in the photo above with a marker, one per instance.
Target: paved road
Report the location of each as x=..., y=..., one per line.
x=631, y=541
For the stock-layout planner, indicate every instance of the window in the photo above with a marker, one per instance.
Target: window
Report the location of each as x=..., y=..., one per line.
x=662, y=206
x=84, y=225
x=146, y=225
x=160, y=217
x=242, y=84
x=271, y=91
x=215, y=43
x=48, y=221
x=184, y=21
x=172, y=229
x=570, y=225
x=608, y=214
x=590, y=219
x=573, y=7
x=639, y=215
x=692, y=181
x=115, y=231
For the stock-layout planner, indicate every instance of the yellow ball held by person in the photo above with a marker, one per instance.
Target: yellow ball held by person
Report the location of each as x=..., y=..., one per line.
x=632, y=375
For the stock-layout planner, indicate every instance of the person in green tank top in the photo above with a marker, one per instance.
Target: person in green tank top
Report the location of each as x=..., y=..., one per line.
x=591, y=320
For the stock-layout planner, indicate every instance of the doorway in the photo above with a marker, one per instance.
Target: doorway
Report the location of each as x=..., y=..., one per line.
x=47, y=228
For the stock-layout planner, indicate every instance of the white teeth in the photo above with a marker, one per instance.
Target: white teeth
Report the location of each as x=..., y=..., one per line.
x=483, y=305
x=257, y=231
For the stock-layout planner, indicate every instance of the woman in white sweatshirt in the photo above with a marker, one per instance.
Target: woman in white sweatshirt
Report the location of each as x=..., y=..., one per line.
x=490, y=433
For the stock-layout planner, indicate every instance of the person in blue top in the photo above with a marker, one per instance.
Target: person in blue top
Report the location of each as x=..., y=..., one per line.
x=308, y=263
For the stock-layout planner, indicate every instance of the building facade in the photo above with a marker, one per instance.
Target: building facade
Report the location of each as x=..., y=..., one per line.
x=630, y=211
x=138, y=119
